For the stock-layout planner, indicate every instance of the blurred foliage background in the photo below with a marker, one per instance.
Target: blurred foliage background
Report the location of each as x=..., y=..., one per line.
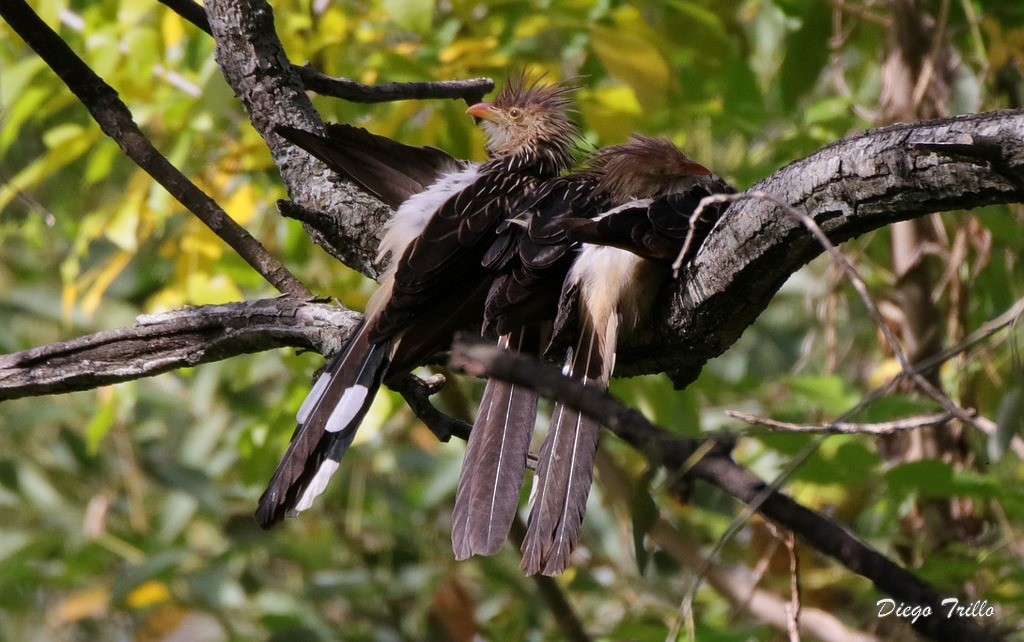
x=127, y=509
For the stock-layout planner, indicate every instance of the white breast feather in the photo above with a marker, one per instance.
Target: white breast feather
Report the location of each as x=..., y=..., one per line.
x=606, y=276
x=413, y=214
x=614, y=281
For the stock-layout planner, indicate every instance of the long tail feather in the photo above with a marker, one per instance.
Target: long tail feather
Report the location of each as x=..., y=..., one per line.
x=389, y=170
x=327, y=421
x=492, y=472
x=565, y=466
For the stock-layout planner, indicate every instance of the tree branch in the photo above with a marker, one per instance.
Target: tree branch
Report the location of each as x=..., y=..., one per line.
x=717, y=468
x=846, y=427
x=178, y=339
x=751, y=231
x=254, y=64
x=471, y=91
x=417, y=393
x=849, y=187
x=116, y=121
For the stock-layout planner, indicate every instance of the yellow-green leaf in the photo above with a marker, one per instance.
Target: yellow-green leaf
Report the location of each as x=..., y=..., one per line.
x=102, y=420
x=628, y=53
x=413, y=15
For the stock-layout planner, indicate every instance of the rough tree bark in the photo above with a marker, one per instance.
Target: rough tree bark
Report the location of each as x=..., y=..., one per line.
x=178, y=339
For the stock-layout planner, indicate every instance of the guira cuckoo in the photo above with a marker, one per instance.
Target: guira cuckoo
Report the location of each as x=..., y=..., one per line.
x=447, y=214
x=653, y=191
x=638, y=196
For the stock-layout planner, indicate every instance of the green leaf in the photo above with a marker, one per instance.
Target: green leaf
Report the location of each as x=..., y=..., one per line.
x=806, y=51
x=654, y=396
x=153, y=567
x=644, y=513
x=840, y=460
x=1009, y=422
x=628, y=52
x=825, y=392
x=100, y=424
x=933, y=478
x=413, y=15
x=937, y=476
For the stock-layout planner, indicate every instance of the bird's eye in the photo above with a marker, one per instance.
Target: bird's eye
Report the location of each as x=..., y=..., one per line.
x=515, y=112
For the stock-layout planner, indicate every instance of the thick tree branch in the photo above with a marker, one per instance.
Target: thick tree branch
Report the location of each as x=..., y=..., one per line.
x=178, y=339
x=116, y=121
x=254, y=64
x=849, y=187
x=717, y=468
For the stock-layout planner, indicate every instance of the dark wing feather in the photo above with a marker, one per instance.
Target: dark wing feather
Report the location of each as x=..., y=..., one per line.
x=533, y=270
x=446, y=257
x=657, y=230
x=389, y=170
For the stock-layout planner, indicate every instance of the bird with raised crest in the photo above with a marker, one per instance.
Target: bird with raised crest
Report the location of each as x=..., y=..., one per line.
x=447, y=215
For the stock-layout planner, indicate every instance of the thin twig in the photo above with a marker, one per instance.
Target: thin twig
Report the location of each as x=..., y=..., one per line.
x=861, y=12
x=845, y=427
x=471, y=91
x=793, y=608
x=191, y=11
x=116, y=122
x=932, y=57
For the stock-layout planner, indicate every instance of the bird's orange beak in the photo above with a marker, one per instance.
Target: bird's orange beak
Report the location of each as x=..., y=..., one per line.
x=482, y=110
x=693, y=167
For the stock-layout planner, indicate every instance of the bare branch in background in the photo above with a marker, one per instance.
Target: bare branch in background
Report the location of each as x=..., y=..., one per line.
x=471, y=91
x=846, y=427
